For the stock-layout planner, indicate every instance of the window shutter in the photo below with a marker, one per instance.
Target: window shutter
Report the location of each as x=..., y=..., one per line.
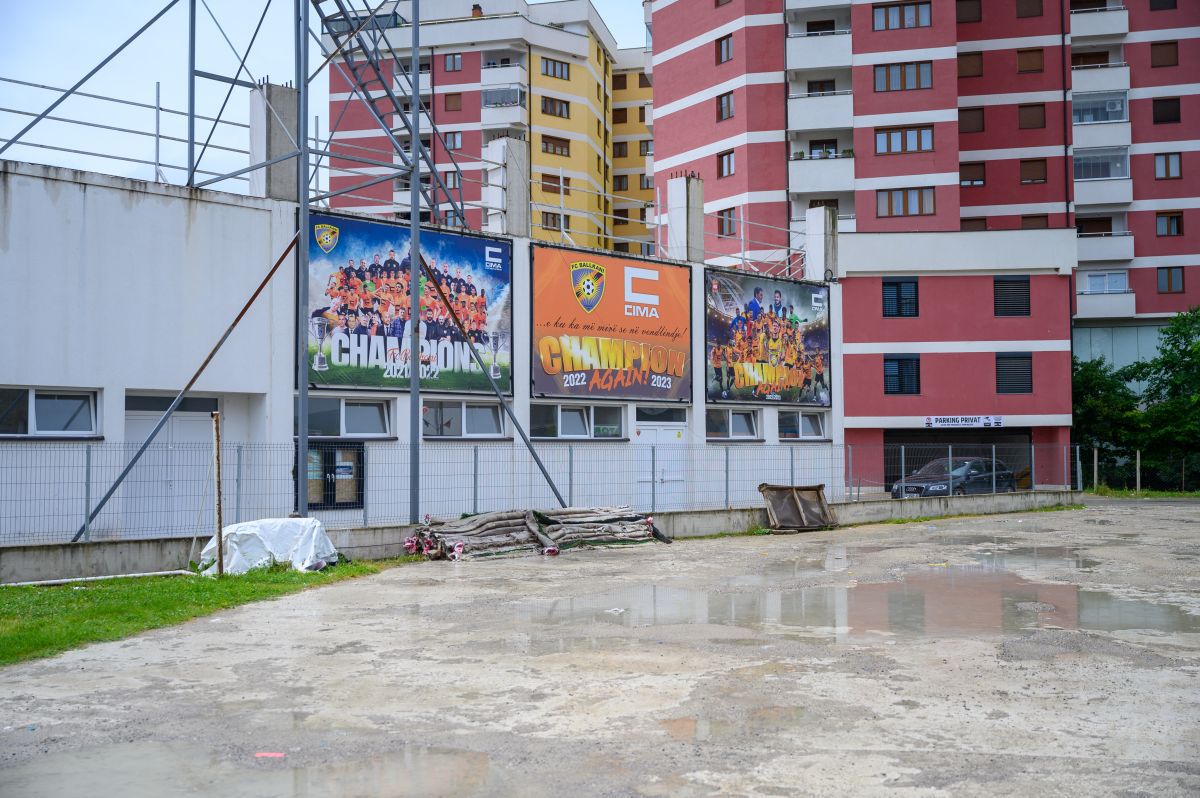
x=1031, y=116
x=970, y=65
x=1014, y=372
x=901, y=374
x=1033, y=171
x=1164, y=54
x=1030, y=60
x=1011, y=296
x=970, y=120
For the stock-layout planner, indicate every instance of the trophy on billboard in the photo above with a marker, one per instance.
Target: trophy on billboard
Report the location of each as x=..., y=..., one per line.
x=497, y=340
x=318, y=327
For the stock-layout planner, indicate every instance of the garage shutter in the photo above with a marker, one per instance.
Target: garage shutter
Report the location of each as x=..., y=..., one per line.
x=1014, y=372
x=1011, y=296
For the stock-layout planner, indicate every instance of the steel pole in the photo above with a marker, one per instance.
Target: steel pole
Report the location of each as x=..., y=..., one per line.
x=157, y=131
x=1095, y=468
x=87, y=492
x=1139, y=471
x=191, y=125
x=1078, y=469
x=216, y=422
x=414, y=276
x=993, y=468
x=302, y=224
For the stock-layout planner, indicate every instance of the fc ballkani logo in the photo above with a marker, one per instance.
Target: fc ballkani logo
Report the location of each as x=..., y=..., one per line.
x=587, y=279
x=327, y=236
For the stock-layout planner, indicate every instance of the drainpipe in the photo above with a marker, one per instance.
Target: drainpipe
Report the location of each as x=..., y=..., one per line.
x=1066, y=122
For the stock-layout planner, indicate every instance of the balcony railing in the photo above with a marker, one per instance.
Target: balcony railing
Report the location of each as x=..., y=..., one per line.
x=805, y=33
x=801, y=95
x=1109, y=65
x=821, y=156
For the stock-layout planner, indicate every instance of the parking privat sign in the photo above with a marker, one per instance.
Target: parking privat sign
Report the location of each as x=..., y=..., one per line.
x=964, y=421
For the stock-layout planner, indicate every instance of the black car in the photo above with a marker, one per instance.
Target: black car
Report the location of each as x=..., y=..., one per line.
x=966, y=475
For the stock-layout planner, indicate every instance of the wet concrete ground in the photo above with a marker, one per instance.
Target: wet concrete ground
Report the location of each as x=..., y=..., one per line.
x=1049, y=653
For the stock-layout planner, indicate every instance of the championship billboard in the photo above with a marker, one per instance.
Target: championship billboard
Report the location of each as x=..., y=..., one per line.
x=358, y=307
x=610, y=328
x=766, y=340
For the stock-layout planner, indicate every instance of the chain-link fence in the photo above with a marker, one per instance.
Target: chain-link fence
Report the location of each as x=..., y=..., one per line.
x=48, y=487
x=1131, y=469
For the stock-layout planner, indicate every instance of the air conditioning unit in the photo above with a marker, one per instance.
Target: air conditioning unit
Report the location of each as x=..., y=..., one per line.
x=1115, y=106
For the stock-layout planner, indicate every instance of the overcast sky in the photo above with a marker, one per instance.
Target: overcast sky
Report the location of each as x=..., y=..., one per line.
x=56, y=44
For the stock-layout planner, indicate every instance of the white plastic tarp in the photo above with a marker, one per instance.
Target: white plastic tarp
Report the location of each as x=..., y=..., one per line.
x=254, y=544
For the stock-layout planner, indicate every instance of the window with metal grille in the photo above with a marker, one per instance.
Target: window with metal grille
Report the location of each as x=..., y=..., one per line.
x=904, y=77
x=1014, y=372
x=900, y=297
x=1030, y=60
x=901, y=374
x=1010, y=295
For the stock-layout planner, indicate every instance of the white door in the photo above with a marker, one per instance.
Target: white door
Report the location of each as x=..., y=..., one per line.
x=170, y=491
x=662, y=471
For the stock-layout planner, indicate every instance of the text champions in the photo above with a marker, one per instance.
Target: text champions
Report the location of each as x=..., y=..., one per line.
x=604, y=364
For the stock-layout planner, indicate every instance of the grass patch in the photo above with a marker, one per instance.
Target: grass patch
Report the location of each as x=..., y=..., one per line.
x=40, y=621
x=1053, y=508
x=745, y=533
x=1126, y=493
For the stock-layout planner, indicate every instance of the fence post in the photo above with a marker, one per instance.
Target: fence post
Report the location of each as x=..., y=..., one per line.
x=1078, y=468
x=1095, y=468
x=475, y=479
x=87, y=492
x=1183, y=474
x=1139, y=470
x=216, y=422
x=653, y=478
x=237, y=487
x=950, y=469
x=791, y=465
x=727, y=502
x=1032, y=467
x=1067, y=466
x=993, y=468
x=902, y=470
x=570, y=475
x=366, y=475
x=850, y=466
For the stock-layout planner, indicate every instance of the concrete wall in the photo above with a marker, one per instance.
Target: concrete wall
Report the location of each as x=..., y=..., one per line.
x=68, y=561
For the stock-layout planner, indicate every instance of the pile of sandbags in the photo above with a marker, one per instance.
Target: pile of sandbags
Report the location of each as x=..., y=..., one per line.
x=532, y=532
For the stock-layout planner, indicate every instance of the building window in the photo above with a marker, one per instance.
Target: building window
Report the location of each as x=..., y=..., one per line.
x=901, y=15
x=725, y=163
x=1168, y=166
x=461, y=420
x=1162, y=5
x=889, y=141
x=794, y=425
x=1014, y=372
x=1030, y=60
x=621, y=246
x=642, y=113
x=719, y=3
x=904, y=202
x=621, y=216
x=1010, y=296
x=973, y=224
x=900, y=297
x=1166, y=110
x=644, y=81
x=901, y=374
x=30, y=412
x=724, y=49
x=970, y=65
x=555, y=145
x=725, y=106
x=452, y=179
x=821, y=88
x=453, y=62
x=1101, y=163
x=555, y=221
x=968, y=11
x=724, y=424
x=556, y=107
x=556, y=69
x=1106, y=283
x=620, y=116
x=646, y=147
x=904, y=77
x=335, y=478
x=620, y=182
x=972, y=174
x=970, y=120
x=576, y=421
x=822, y=148
x=1099, y=106
x=726, y=223
x=1035, y=222
x=620, y=149
x=1093, y=225
x=1031, y=116
x=1164, y=54
x=453, y=141
x=1029, y=8
x=330, y=417
x=502, y=98
x=1033, y=170
x=620, y=82
x=452, y=102
x=1170, y=280
x=552, y=184
x=1169, y=223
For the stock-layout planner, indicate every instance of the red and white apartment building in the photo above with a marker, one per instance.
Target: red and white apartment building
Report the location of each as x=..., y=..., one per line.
x=961, y=143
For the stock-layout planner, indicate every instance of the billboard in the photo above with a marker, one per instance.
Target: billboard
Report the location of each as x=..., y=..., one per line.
x=358, y=307
x=610, y=328
x=766, y=340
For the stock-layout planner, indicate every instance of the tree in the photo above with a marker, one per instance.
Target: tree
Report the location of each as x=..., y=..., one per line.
x=1172, y=393
x=1106, y=411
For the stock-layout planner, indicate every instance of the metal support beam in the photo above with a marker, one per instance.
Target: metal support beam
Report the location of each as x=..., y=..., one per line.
x=302, y=225
x=245, y=84
x=414, y=280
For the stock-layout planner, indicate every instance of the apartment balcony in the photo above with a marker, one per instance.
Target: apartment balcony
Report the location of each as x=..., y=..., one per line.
x=823, y=111
x=1102, y=134
x=814, y=5
x=818, y=50
x=1112, y=305
x=1107, y=191
x=1099, y=23
x=503, y=75
x=400, y=83
x=846, y=224
x=402, y=131
x=823, y=175
x=1105, y=246
x=505, y=115
x=1102, y=77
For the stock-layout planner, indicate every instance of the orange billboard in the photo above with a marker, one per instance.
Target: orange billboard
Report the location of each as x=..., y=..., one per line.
x=610, y=328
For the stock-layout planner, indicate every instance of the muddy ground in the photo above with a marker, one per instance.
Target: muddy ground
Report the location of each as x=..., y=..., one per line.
x=1039, y=653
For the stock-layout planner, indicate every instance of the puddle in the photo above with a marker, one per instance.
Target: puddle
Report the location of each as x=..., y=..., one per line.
x=155, y=769
x=764, y=720
x=1033, y=558
x=932, y=601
